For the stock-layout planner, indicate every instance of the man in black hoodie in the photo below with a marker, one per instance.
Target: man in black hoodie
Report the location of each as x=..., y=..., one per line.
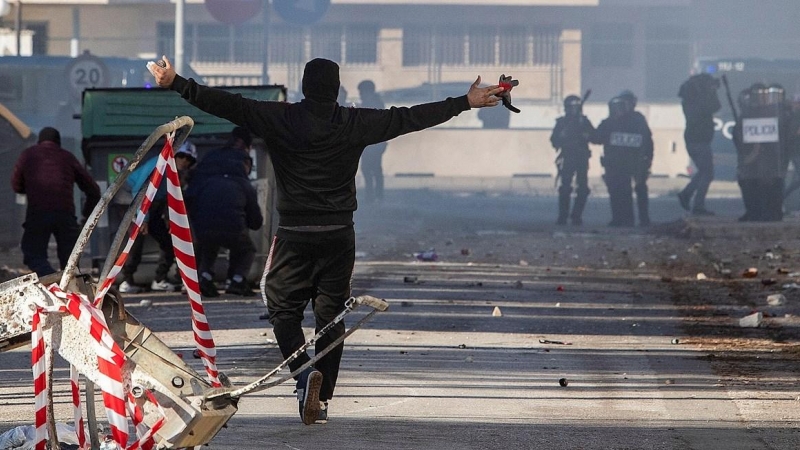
x=315, y=146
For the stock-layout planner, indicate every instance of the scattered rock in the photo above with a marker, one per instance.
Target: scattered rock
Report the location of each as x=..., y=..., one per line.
x=752, y=320
x=776, y=300
x=750, y=273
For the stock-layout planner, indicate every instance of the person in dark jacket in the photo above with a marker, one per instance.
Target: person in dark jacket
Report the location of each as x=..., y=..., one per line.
x=700, y=101
x=315, y=146
x=222, y=207
x=627, y=155
x=570, y=138
x=46, y=173
x=372, y=158
x=156, y=222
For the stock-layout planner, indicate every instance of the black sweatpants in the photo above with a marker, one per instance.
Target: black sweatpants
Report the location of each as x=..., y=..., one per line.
x=39, y=226
x=316, y=267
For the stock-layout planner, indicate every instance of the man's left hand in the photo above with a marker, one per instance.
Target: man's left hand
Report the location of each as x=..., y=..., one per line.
x=480, y=97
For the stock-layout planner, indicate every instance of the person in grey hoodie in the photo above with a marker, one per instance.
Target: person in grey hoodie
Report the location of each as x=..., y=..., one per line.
x=315, y=145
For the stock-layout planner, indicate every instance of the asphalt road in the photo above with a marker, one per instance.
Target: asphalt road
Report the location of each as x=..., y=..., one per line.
x=439, y=370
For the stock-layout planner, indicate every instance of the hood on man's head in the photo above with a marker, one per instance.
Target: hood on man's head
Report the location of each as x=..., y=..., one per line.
x=49, y=134
x=321, y=80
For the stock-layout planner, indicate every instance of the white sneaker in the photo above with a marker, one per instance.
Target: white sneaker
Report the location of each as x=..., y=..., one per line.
x=128, y=288
x=162, y=285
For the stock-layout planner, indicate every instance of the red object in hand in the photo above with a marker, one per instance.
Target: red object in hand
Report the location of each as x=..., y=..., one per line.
x=507, y=84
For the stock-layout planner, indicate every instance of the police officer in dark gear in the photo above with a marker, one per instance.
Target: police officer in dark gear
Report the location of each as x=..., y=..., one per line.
x=699, y=101
x=760, y=138
x=571, y=138
x=627, y=156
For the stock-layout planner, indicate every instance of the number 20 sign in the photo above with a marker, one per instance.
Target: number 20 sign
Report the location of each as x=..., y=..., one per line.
x=86, y=71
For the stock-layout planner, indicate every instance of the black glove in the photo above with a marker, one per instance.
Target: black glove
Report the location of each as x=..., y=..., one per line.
x=507, y=84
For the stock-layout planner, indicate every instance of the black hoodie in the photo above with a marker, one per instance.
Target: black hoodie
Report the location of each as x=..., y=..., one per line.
x=315, y=146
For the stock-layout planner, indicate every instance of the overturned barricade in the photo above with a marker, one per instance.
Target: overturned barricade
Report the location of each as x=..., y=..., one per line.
x=145, y=386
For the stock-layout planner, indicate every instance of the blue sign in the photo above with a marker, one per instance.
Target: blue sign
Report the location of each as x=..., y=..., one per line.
x=301, y=12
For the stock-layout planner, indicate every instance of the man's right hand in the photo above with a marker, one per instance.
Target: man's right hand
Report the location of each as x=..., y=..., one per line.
x=164, y=75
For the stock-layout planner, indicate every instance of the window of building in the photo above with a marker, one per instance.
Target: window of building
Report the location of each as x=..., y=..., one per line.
x=361, y=44
x=326, y=42
x=286, y=45
x=611, y=44
x=417, y=45
x=40, y=37
x=220, y=43
x=449, y=46
x=481, y=45
x=248, y=43
x=668, y=55
x=546, y=46
x=513, y=46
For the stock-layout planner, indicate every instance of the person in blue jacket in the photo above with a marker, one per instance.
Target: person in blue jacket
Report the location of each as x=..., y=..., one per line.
x=222, y=206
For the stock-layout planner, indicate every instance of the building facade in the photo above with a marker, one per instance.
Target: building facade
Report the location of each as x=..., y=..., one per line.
x=419, y=50
x=557, y=46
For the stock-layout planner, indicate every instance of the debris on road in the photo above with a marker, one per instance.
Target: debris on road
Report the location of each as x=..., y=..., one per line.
x=776, y=299
x=752, y=320
x=563, y=382
x=496, y=312
x=428, y=255
x=548, y=341
x=750, y=273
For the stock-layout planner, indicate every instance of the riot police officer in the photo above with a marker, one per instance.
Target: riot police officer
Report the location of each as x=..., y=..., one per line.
x=699, y=101
x=570, y=138
x=760, y=139
x=627, y=156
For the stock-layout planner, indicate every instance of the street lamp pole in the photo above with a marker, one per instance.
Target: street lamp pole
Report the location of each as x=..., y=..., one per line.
x=18, y=26
x=179, y=22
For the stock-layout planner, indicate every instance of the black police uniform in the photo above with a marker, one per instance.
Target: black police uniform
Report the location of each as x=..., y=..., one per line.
x=627, y=155
x=571, y=138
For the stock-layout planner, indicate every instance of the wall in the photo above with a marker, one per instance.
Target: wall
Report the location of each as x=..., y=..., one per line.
x=475, y=152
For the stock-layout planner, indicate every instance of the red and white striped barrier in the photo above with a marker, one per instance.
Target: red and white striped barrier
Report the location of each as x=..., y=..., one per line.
x=39, y=363
x=184, y=254
x=110, y=356
x=76, y=405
